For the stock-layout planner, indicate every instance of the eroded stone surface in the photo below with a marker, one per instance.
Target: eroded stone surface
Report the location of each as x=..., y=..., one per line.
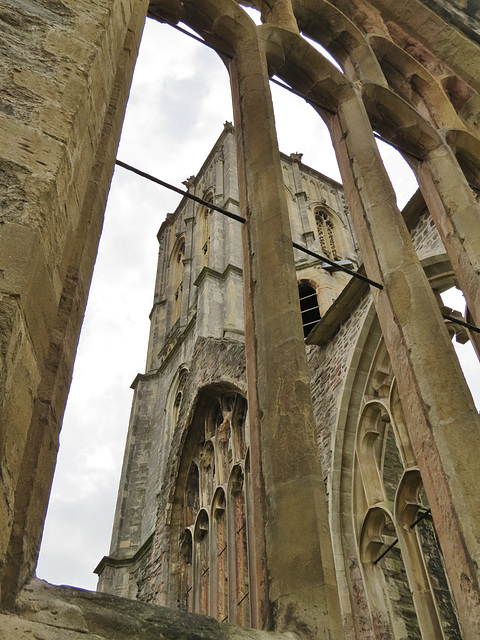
x=47, y=612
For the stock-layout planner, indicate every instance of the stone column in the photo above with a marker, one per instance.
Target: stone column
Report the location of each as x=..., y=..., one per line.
x=442, y=420
x=293, y=538
x=70, y=78
x=456, y=213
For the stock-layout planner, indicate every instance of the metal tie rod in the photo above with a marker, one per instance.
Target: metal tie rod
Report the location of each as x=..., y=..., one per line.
x=183, y=193
x=233, y=216
x=337, y=266
x=461, y=322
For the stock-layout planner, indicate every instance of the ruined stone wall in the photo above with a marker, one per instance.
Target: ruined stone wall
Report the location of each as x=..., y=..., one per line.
x=328, y=369
x=56, y=613
x=65, y=70
x=213, y=362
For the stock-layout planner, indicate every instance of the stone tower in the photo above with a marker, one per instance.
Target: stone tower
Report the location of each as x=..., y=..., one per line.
x=365, y=437
x=188, y=442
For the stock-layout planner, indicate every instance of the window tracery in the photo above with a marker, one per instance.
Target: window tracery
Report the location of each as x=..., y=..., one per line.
x=326, y=234
x=403, y=567
x=216, y=582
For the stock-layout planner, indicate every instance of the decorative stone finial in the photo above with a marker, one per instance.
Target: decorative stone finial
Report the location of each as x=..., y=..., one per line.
x=189, y=182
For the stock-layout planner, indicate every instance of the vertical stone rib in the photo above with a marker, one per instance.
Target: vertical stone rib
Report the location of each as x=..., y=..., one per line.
x=456, y=213
x=289, y=495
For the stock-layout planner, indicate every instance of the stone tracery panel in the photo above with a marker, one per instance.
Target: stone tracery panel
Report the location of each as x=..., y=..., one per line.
x=405, y=579
x=215, y=509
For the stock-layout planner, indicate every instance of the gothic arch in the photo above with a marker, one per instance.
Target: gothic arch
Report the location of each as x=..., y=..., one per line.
x=219, y=557
x=414, y=83
x=384, y=502
x=238, y=544
x=201, y=563
x=222, y=24
x=326, y=24
x=211, y=488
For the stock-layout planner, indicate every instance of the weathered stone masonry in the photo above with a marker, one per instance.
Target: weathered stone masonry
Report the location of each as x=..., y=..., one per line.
x=410, y=72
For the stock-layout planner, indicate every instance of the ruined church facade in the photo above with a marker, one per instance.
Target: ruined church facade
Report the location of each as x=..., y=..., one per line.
x=327, y=491
x=184, y=510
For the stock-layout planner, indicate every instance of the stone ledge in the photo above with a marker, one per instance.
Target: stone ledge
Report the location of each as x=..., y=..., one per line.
x=48, y=612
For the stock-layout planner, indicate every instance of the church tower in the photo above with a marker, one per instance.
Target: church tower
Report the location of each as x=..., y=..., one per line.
x=182, y=523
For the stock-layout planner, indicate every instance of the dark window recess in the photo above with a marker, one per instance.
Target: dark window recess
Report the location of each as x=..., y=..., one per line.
x=308, y=306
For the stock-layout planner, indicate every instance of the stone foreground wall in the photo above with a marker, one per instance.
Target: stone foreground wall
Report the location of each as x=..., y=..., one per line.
x=64, y=613
x=65, y=71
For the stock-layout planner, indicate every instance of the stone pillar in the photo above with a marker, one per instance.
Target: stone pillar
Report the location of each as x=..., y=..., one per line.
x=301, y=198
x=456, y=213
x=443, y=423
x=69, y=78
x=287, y=484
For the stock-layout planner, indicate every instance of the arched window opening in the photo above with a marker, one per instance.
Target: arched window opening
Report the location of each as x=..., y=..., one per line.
x=403, y=566
x=206, y=213
x=220, y=559
x=308, y=306
x=326, y=234
x=214, y=454
x=178, y=268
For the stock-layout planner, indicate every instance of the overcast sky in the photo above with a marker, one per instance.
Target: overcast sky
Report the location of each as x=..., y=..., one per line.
x=179, y=101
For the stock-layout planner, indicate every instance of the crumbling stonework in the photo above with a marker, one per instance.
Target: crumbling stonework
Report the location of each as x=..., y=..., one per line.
x=65, y=613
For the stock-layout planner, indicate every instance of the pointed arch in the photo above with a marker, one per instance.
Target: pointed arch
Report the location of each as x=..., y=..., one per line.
x=383, y=548
x=214, y=502
x=239, y=556
x=219, y=557
x=201, y=566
